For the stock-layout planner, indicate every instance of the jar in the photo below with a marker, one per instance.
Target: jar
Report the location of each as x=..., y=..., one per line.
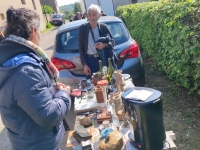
x=99, y=94
x=95, y=78
x=104, y=85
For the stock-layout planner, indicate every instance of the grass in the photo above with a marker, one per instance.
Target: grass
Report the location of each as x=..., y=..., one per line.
x=181, y=110
x=47, y=29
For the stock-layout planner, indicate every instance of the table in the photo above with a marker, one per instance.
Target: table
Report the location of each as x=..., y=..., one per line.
x=74, y=145
x=83, y=104
x=89, y=105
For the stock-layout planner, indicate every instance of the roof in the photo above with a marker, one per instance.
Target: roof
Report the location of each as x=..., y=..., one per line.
x=75, y=24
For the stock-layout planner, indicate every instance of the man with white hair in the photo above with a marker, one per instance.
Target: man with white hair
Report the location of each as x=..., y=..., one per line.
x=89, y=33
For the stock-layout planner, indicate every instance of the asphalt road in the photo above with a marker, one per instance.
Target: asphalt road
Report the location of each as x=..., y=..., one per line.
x=47, y=41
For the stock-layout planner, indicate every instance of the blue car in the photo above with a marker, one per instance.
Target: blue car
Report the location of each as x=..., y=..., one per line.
x=67, y=59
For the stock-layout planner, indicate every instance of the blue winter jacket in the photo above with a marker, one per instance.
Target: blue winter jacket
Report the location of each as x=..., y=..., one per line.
x=30, y=108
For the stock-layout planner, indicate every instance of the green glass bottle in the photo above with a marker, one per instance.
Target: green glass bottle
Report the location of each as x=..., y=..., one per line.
x=100, y=66
x=110, y=70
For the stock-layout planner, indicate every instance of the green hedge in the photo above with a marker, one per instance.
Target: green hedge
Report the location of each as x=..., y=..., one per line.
x=170, y=34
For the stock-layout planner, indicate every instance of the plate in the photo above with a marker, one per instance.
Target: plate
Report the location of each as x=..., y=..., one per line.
x=124, y=76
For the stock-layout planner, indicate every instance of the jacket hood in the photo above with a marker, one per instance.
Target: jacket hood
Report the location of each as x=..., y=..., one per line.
x=9, y=49
x=12, y=55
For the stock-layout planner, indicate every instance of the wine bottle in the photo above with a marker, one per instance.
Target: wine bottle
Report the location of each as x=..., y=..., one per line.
x=105, y=72
x=110, y=70
x=100, y=66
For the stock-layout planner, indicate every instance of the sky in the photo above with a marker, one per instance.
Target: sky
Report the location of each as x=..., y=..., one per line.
x=66, y=2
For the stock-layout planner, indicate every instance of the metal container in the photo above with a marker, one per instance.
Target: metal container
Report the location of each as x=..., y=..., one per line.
x=147, y=119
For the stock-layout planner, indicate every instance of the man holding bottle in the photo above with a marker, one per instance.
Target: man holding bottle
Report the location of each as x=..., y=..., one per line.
x=89, y=33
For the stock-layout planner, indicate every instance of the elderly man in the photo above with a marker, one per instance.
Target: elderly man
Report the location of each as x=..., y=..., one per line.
x=89, y=33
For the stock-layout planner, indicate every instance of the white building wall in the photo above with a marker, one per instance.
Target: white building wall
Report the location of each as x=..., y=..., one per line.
x=121, y=3
x=5, y=4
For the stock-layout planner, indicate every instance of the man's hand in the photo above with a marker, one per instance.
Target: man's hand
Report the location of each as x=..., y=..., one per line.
x=100, y=45
x=87, y=70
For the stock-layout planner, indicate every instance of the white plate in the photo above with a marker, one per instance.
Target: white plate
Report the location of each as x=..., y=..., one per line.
x=124, y=76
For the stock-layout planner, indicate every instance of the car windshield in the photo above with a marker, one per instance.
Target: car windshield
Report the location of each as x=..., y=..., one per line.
x=56, y=16
x=67, y=42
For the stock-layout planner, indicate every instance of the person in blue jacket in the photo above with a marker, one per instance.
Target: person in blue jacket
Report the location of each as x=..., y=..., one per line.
x=32, y=107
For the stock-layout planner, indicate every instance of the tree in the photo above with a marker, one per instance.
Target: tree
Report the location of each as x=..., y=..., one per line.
x=77, y=7
x=47, y=9
x=67, y=14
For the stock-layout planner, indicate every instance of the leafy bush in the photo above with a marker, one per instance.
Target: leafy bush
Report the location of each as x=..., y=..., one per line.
x=169, y=33
x=47, y=9
x=49, y=25
x=77, y=7
x=68, y=14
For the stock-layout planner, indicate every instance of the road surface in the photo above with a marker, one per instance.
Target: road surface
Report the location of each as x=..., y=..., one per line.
x=47, y=41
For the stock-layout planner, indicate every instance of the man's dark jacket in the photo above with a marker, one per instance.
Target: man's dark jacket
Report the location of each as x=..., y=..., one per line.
x=83, y=39
x=31, y=110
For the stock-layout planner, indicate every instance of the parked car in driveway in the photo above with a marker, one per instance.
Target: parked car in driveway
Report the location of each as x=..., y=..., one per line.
x=66, y=54
x=58, y=19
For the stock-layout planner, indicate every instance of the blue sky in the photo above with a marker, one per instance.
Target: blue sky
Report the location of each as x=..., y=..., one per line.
x=65, y=2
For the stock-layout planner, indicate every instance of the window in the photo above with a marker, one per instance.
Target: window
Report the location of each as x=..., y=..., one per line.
x=33, y=1
x=119, y=33
x=23, y=2
x=2, y=16
x=67, y=42
x=56, y=16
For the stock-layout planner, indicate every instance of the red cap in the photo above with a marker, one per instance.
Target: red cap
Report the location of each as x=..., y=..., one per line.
x=102, y=83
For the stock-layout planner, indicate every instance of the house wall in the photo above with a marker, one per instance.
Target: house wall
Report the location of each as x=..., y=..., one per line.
x=5, y=4
x=82, y=6
x=143, y=1
x=116, y=3
x=121, y=2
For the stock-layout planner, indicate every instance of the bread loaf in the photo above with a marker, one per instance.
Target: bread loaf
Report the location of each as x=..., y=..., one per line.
x=114, y=141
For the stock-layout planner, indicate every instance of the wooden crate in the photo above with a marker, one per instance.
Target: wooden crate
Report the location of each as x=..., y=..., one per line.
x=169, y=144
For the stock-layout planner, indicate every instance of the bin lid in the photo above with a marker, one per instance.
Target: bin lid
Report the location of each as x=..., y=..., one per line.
x=155, y=95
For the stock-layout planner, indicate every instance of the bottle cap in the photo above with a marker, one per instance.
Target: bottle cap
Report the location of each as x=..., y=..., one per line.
x=102, y=83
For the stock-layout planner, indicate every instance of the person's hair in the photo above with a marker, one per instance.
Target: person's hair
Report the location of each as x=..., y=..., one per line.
x=20, y=21
x=95, y=7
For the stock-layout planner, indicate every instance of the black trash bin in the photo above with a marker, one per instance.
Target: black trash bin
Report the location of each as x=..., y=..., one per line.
x=149, y=131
